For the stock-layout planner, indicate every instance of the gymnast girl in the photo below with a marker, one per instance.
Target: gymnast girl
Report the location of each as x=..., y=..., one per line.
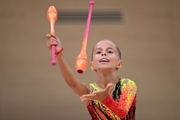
x=110, y=96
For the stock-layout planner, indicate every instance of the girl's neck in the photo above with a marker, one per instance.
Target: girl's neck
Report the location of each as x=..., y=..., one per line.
x=104, y=78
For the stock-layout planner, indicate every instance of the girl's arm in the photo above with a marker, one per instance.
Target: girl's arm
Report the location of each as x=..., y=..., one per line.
x=78, y=87
x=127, y=97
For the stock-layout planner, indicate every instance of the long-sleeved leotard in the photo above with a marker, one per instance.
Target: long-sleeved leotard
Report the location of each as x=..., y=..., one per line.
x=120, y=105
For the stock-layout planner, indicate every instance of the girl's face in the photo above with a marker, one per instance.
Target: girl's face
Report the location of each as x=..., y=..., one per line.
x=105, y=56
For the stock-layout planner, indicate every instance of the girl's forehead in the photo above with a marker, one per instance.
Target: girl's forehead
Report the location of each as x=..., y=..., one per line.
x=105, y=43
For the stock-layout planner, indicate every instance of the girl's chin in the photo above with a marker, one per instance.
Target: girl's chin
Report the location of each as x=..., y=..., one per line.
x=105, y=68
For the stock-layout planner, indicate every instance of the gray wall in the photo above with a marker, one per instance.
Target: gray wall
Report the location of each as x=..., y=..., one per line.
x=32, y=89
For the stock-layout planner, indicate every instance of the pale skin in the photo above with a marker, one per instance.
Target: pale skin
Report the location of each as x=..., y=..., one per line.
x=105, y=63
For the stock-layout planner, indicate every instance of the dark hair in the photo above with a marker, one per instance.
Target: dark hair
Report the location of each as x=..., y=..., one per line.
x=119, y=52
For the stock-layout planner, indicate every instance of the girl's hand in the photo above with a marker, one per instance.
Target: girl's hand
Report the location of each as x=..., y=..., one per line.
x=98, y=95
x=53, y=40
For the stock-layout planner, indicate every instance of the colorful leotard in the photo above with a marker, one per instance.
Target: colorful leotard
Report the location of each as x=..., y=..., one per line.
x=121, y=105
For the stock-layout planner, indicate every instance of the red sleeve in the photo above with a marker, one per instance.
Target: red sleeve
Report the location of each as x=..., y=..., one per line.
x=127, y=96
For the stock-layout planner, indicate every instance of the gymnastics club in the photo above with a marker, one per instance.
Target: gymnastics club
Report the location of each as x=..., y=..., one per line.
x=81, y=60
x=52, y=18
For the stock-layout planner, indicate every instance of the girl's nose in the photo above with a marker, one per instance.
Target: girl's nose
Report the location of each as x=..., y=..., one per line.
x=103, y=54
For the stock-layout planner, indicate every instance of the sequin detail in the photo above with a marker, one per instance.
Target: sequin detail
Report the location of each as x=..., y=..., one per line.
x=120, y=106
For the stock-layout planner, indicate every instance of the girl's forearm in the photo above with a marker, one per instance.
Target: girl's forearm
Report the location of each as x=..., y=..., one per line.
x=66, y=71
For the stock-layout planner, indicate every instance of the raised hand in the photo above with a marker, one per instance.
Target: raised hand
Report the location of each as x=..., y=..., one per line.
x=53, y=40
x=98, y=95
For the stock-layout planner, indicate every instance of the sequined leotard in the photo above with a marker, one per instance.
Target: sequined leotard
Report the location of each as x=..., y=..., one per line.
x=121, y=105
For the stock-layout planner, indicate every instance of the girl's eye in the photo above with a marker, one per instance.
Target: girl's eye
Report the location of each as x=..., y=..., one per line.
x=98, y=52
x=110, y=52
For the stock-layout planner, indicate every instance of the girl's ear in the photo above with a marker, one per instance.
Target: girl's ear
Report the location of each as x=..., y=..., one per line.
x=119, y=65
x=92, y=66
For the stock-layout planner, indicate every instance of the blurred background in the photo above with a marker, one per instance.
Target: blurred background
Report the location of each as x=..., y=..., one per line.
x=147, y=34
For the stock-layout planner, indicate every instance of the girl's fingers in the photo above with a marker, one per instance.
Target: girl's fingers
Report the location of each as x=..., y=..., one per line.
x=109, y=87
x=54, y=36
x=48, y=36
x=51, y=42
x=87, y=96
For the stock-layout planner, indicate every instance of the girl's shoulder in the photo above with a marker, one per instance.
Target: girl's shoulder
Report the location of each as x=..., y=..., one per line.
x=127, y=81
